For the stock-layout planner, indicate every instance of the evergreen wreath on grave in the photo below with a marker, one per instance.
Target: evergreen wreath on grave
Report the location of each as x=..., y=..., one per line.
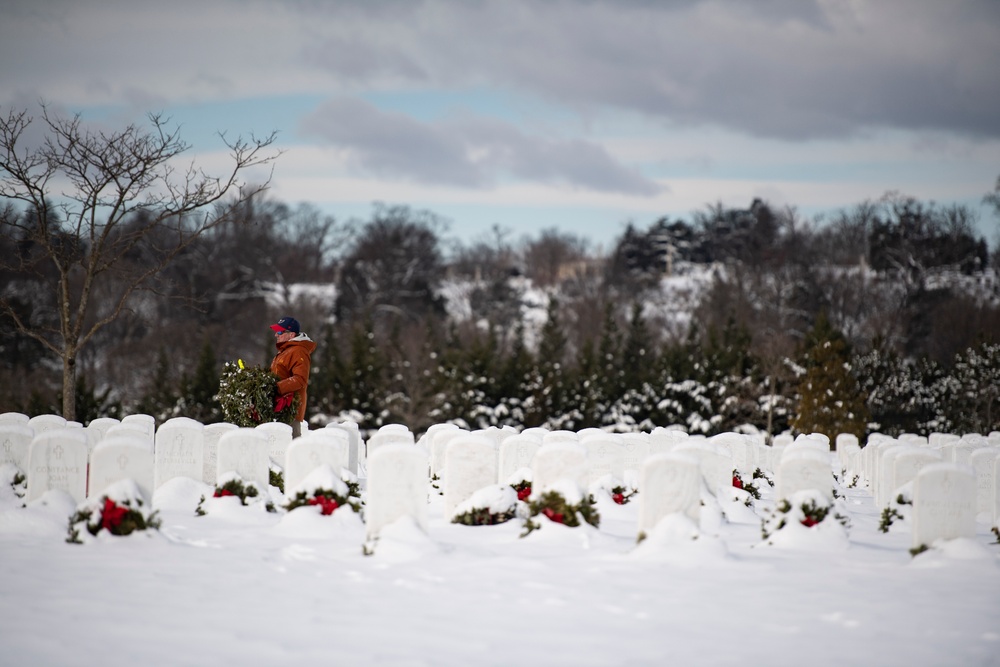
x=235, y=486
x=894, y=511
x=483, y=516
x=116, y=517
x=248, y=394
x=554, y=506
x=276, y=477
x=328, y=499
x=740, y=483
x=809, y=512
x=12, y=475
x=523, y=489
x=760, y=474
x=622, y=494
x=996, y=531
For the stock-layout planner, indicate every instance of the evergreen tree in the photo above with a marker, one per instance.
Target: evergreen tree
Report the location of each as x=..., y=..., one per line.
x=199, y=394
x=975, y=407
x=830, y=399
x=161, y=395
x=548, y=386
x=638, y=357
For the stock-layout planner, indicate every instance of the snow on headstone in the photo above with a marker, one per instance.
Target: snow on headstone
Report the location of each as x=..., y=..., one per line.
x=279, y=436
x=555, y=461
x=908, y=464
x=516, y=452
x=179, y=451
x=14, y=417
x=560, y=436
x=944, y=503
x=845, y=444
x=605, y=456
x=244, y=451
x=996, y=492
x=355, y=445
x=397, y=487
x=670, y=483
x=390, y=434
x=312, y=450
x=982, y=461
x=469, y=465
x=117, y=458
x=636, y=447
x=15, y=441
x=804, y=469
x=99, y=429
x=210, y=449
x=736, y=445
x=57, y=459
x=887, y=486
x=439, y=445
x=42, y=423
x=142, y=422
x=715, y=462
x=664, y=440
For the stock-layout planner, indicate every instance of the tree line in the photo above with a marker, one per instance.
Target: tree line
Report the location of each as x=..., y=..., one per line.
x=880, y=317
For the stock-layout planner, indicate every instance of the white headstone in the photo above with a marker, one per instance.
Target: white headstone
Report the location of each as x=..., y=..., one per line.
x=14, y=417
x=312, y=450
x=439, y=445
x=996, y=492
x=982, y=461
x=605, y=456
x=397, y=487
x=559, y=436
x=99, y=428
x=57, y=459
x=515, y=453
x=352, y=438
x=43, y=423
x=664, y=440
x=356, y=446
x=390, y=435
x=555, y=461
x=179, y=451
x=15, y=441
x=118, y=458
x=279, y=436
x=210, y=450
x=908, y=465
x=244, y=451
x=469, y=465
x=669, y=483
x=944, y=503
x=804, y=469
x=714, y=460
x=636, y=447
x=142, y=422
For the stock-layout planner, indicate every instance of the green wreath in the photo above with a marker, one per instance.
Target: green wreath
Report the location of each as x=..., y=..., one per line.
x=247, y=395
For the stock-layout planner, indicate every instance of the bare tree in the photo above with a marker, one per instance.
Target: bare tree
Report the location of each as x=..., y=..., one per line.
x=102, y=214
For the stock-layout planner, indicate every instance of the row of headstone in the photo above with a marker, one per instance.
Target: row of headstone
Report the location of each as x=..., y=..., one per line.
x=890, y=465
x=54, y=454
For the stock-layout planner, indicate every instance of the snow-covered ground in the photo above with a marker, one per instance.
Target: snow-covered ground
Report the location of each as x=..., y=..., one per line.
x=241, y=586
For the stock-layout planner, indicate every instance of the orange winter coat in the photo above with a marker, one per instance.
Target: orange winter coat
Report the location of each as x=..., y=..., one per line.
x=291, y=364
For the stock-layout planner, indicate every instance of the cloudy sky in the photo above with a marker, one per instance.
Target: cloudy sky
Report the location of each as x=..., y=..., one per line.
x=530, y=114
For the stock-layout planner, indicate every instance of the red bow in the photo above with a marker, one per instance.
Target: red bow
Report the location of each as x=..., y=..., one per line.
x=282, y=402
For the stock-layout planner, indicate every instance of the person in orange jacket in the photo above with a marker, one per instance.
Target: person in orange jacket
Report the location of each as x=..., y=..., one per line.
x=291, y=364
